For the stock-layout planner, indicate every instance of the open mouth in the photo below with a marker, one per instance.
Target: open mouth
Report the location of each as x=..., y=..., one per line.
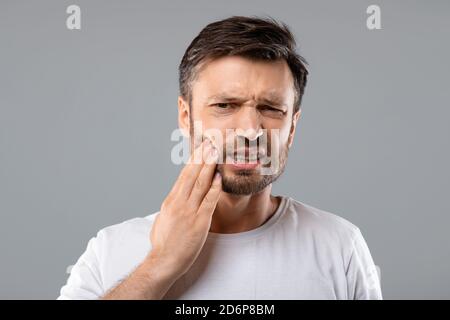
x=244, y=160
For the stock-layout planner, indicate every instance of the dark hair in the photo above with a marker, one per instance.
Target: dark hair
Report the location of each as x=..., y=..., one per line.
x=251, y=37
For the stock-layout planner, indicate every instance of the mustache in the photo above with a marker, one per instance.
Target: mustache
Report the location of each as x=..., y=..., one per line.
x=243, y=147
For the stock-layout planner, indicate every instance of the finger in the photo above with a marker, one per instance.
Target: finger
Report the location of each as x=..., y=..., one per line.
x=191, y=170
x=208, y=205
x=204, y=180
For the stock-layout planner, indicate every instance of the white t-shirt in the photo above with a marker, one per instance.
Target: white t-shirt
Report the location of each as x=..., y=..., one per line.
x=301, y=252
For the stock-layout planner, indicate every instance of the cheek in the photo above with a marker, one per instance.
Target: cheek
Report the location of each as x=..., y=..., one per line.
x=280, y=131
x=215, y=134
x=209, y=121
x=213, y=128
x=284, y=135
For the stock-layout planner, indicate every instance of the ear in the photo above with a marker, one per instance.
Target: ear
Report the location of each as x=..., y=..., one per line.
x=295, y=118
x=183, y=116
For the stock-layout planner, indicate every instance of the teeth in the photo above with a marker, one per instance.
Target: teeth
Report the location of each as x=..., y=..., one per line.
x=238, y=158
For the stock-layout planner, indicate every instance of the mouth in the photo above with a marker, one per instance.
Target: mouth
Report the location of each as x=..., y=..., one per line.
x=244, y=160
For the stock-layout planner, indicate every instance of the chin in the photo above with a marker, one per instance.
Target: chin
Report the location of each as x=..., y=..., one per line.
x=243, y=182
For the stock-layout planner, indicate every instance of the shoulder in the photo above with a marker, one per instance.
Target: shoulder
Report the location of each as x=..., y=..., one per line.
x=122, y=245
x=109, y=256
x=126, y=230
x=130, y=225
x=315, y=221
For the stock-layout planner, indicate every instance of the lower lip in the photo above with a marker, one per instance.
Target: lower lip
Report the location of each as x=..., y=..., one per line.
x=243, y=165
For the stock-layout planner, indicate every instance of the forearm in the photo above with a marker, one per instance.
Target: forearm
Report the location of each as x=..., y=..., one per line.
x=149, y=281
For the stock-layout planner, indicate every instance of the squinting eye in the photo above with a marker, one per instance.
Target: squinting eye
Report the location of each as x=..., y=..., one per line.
x=269, y=108
x=223, y=105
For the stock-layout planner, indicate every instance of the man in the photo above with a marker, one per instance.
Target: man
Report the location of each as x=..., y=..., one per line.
x=220, y=234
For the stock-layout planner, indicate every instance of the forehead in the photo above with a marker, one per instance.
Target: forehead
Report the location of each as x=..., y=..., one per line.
x=244, y=78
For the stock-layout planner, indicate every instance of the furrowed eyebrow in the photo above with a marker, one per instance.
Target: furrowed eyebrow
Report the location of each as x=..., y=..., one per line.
x=272, y=102
x=270, y=99
x=223, y=98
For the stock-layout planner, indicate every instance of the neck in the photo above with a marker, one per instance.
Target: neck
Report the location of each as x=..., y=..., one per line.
x=239, y=213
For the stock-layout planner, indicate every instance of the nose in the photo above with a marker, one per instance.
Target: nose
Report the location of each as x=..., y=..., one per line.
x=248, y=123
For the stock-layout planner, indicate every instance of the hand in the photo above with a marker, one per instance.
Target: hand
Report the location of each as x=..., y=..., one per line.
x=180, y=229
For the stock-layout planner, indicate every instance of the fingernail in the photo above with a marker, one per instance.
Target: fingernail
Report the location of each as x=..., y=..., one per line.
x=206, y=148
x=214, y=153
x=217, y=176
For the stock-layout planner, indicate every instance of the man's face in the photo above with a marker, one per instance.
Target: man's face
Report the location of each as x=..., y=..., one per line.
x=250, y=105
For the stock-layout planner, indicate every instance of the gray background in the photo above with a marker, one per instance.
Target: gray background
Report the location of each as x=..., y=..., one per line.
x=86, y=117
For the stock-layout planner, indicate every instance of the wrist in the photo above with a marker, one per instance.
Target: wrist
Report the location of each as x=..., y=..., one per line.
x=156, y=267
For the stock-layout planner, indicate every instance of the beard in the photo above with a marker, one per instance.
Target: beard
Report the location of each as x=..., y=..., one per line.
x=247, y=182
